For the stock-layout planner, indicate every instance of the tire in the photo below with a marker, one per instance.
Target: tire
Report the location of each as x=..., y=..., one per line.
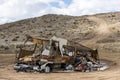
x=47, y=69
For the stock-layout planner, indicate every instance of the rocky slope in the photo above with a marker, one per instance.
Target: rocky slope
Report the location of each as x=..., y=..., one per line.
x=96, y=31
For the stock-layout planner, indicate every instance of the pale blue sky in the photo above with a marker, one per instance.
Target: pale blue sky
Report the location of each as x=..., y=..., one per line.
x=13, y=10
x=56, y=4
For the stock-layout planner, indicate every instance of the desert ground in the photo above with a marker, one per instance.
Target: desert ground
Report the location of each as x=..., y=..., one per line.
x=112, y=73
x=101, y=31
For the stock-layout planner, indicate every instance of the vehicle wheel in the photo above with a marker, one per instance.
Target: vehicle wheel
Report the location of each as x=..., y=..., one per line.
x=47, y=69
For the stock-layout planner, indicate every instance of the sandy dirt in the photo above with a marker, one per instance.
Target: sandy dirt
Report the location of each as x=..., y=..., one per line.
x=113, y=73
x=102, y=31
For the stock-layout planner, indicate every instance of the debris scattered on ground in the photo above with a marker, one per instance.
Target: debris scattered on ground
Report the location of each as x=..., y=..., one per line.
x=57, y=54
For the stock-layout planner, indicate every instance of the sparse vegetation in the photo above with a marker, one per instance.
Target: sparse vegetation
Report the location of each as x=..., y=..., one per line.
x=69, y=27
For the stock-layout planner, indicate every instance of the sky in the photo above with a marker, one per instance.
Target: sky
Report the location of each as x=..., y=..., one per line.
x=14, y=10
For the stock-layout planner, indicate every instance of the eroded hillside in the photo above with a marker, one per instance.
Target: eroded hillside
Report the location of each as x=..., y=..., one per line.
x=96, y=31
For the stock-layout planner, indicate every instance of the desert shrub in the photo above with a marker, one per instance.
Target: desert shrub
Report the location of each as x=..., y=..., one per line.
x=17, y=36
x=1, y=46
x=21, y=31
x=6, y=40
x=14, y=39
x=6, y=48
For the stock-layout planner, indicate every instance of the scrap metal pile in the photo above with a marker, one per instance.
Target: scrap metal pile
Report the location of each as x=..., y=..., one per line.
x=56, y=55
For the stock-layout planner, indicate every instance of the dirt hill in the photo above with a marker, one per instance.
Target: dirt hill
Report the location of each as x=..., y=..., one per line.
x=100, y=31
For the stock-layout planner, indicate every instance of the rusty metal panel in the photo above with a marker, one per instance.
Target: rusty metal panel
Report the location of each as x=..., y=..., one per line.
x=24, y=53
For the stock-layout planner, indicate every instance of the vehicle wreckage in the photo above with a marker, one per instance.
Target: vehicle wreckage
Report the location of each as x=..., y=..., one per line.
x=56, y=54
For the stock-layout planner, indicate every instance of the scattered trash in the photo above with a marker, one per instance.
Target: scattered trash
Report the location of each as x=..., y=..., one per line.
x=103, y=68
x=57, y=54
